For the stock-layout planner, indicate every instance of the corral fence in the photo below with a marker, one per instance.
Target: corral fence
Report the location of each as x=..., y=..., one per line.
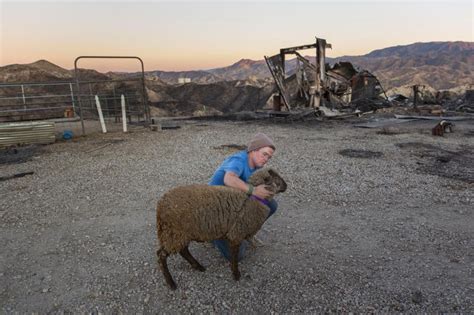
x=79, y=105
x=28, y=101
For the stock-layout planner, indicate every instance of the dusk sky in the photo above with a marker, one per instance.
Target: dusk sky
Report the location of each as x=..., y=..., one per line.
x=193, y=35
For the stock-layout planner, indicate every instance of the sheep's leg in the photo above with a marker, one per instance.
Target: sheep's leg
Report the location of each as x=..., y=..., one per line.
x=194, y=263
x=234, y=255
x=162, y=256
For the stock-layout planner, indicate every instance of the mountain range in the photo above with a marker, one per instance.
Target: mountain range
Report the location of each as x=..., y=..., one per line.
x=440, y=65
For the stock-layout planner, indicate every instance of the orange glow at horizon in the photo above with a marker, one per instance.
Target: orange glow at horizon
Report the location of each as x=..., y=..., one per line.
x=192, y=61
x=186, y=36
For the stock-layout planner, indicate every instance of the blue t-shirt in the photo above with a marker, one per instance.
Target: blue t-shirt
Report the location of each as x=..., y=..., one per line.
x=238, y=164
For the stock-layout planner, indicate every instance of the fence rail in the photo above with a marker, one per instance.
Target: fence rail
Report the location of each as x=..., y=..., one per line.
x=27, y=101
x=40, y=101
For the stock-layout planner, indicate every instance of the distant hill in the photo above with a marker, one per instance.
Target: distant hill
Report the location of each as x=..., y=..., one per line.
x=243, y=69
x=40, y=70
x=219, y=97
x=44, y=71
x=441, y=65
x=420, y=49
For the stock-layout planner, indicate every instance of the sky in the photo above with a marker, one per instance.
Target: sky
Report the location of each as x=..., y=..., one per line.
x=195, y=35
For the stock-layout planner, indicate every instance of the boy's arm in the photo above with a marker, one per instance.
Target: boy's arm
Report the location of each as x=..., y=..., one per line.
x=232, y=180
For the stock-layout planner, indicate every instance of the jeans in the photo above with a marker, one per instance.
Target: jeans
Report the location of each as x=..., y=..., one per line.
x=223, y=246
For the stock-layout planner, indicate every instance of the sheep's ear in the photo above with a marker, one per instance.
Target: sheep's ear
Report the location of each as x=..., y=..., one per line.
x=272, y=173
x=270, y=176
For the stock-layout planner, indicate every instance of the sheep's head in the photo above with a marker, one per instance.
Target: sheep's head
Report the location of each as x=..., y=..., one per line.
x=270, y=178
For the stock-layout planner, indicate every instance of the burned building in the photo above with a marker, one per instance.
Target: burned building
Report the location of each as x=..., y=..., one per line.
x=315, y=84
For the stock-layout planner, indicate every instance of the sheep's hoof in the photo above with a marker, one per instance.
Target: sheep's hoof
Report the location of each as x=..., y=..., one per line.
x=169, y=281
x=172, y=285
x=236, y=275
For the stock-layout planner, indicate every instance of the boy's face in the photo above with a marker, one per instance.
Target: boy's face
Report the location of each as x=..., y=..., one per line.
x=262, y=156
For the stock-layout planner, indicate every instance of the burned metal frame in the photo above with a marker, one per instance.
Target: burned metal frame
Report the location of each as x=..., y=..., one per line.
x=146, y=108
x=315, y=85
x=276, y=64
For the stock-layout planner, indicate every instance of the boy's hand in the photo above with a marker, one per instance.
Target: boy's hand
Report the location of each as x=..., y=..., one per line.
x=262, y=192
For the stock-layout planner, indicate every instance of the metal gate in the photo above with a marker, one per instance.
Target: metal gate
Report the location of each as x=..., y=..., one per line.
x=110, y=94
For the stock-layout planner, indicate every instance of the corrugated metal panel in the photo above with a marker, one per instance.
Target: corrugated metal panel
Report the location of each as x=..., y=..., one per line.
x=26, y=133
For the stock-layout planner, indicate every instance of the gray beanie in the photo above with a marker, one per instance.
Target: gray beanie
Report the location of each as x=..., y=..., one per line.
x=260, y=140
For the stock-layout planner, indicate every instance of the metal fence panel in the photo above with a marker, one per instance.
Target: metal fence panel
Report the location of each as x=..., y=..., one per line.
x=39, y=132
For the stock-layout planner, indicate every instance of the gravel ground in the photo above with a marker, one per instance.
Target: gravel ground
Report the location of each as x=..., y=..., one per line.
x=371, y=221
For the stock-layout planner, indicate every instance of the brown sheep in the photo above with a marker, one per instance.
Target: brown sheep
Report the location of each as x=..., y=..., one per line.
x=204, y=213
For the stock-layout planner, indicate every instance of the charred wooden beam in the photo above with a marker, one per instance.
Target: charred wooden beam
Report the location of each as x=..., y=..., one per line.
x=278, y=75
x=305, y=61
x=291, y=50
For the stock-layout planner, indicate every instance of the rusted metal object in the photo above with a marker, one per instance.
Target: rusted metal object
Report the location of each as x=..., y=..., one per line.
x=442, y=127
